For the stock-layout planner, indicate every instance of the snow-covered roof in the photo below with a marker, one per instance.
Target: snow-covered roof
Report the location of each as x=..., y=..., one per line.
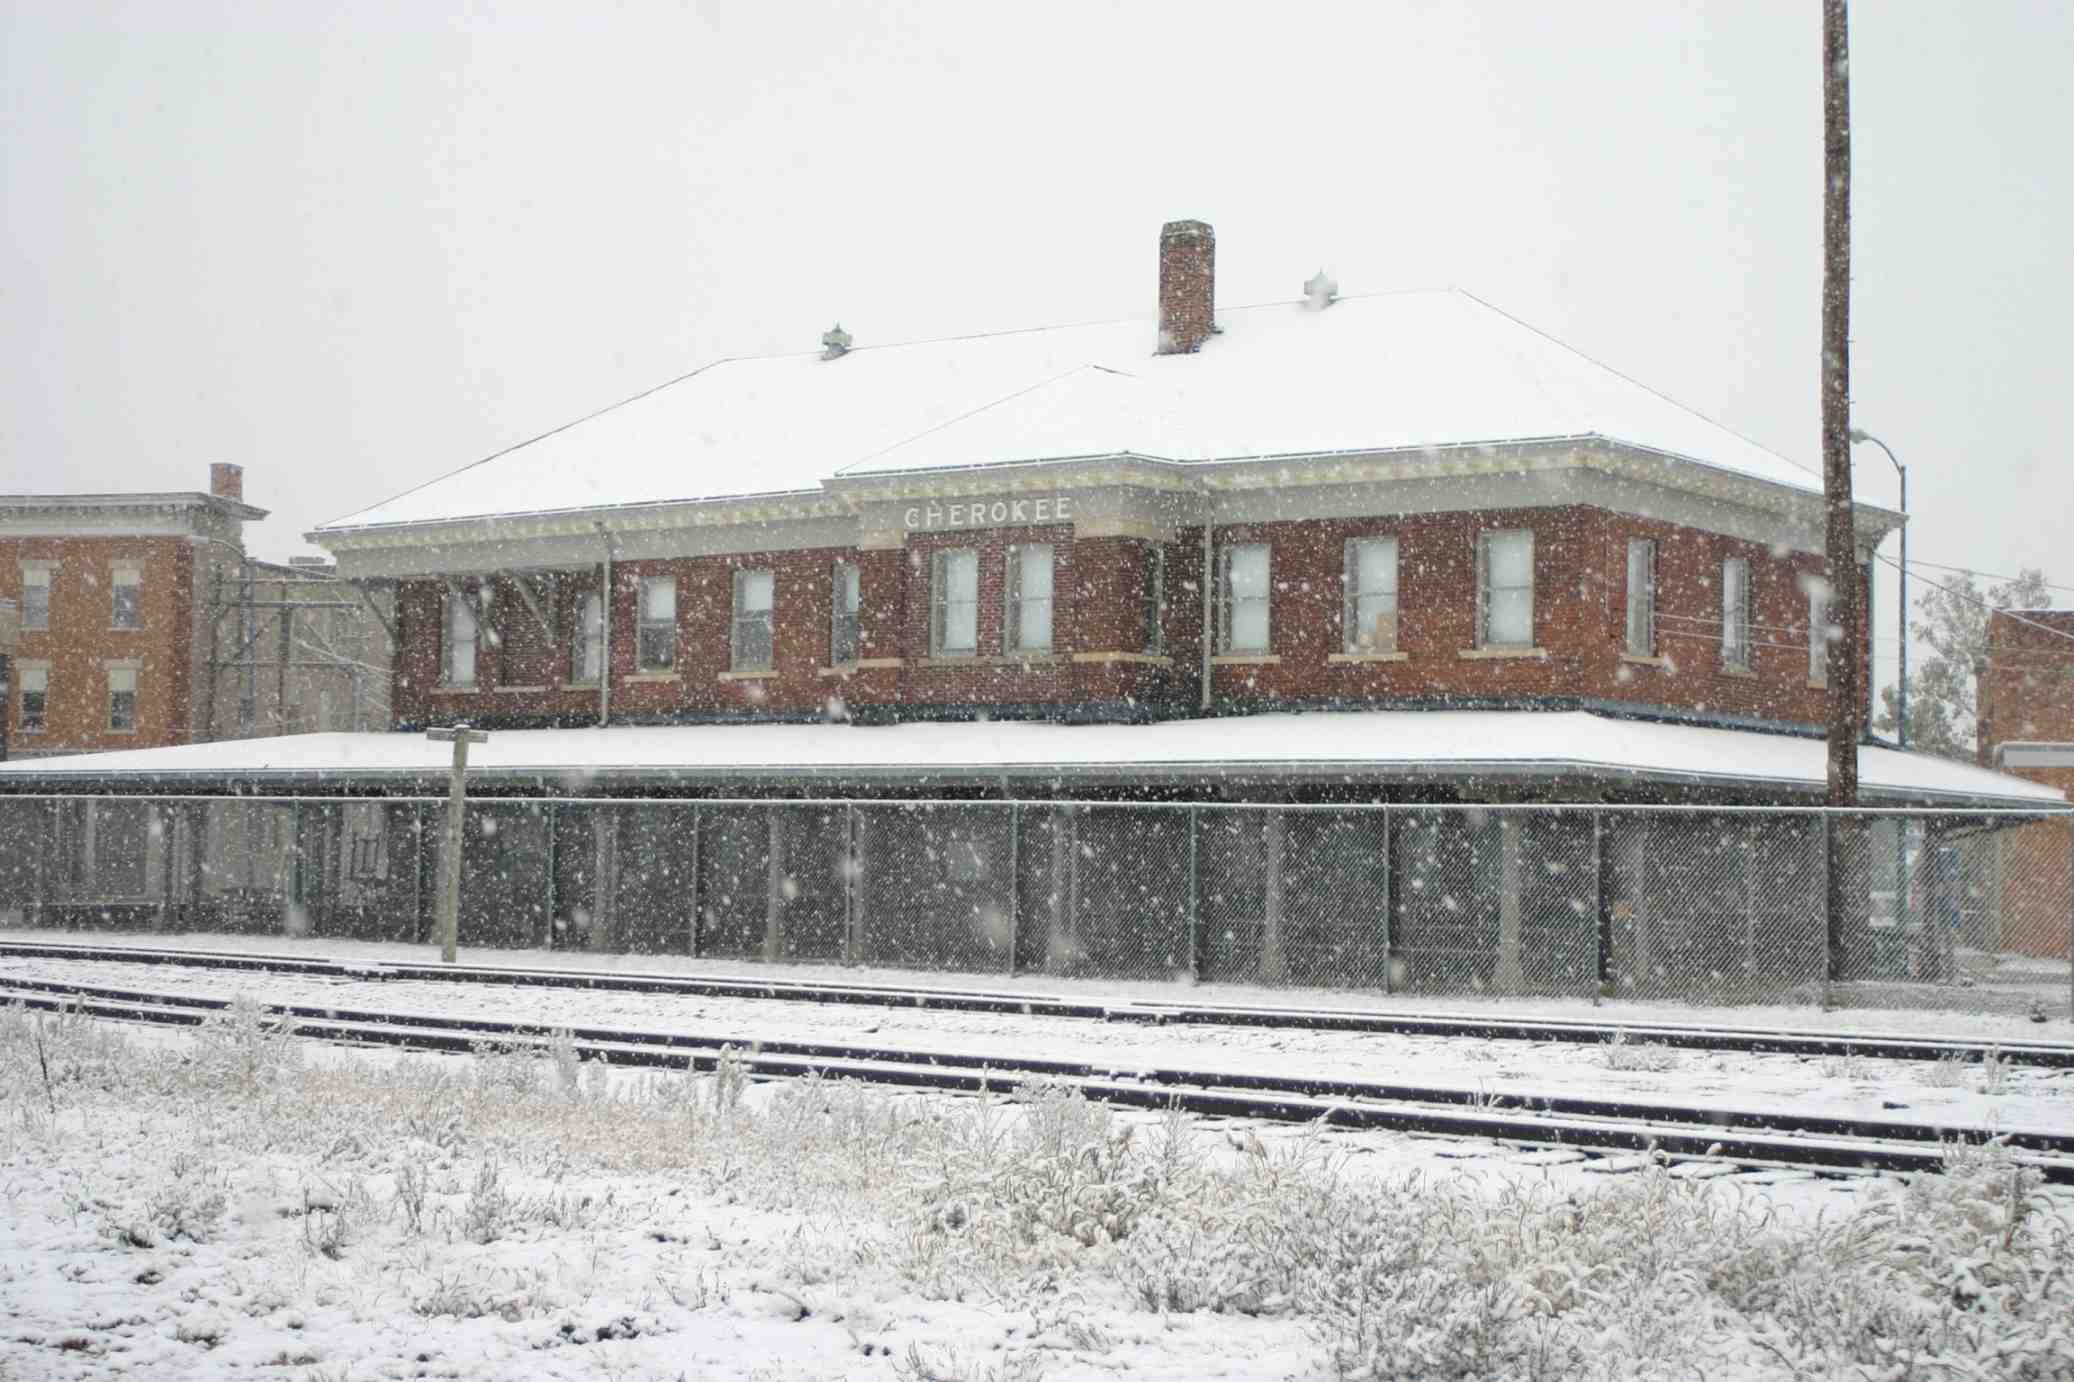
x=1368, y=373
x=1354, y=746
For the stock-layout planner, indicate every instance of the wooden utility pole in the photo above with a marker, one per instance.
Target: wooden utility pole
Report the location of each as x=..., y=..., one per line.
x=1846, y=600
x=460, y=736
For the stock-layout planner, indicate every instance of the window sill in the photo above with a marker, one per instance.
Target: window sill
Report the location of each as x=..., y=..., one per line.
x=1368, y=657
x=457, y=690
x=760, y=674
x=1140, y=659
x=1246, y=660
x=519, y=690
x=649, y=678
x=579, y=686
x=1500, y=654
x=1009, y=660
x=1818, y=685
x=1652, y=660
x=863, y=664
x=1745, y=673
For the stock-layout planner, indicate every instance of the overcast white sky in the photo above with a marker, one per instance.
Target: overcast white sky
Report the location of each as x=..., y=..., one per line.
x=350, y=246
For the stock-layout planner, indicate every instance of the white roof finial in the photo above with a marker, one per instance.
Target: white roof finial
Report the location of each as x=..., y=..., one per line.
x=835, y=341
x=1320, y=290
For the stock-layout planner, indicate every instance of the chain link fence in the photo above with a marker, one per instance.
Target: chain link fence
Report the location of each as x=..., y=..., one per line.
x=1714, y=905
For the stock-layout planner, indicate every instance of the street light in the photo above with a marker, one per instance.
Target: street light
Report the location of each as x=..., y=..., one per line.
x=1859, y=434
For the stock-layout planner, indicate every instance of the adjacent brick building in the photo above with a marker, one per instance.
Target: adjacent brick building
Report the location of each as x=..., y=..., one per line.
x=2027, y=728
x=144, y=623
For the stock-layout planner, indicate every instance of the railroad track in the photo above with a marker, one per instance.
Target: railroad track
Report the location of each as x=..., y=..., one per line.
x=1595, y=1126
x=1760, y=1040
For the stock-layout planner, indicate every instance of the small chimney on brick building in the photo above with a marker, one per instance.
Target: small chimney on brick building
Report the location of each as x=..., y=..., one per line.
x=227, y=481
x=1187, y=286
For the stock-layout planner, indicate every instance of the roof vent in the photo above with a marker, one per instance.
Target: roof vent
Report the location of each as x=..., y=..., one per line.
x=1321, y=290
x=834, y=342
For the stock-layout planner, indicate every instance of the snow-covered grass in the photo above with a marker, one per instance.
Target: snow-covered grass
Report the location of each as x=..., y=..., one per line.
x=224, y=1204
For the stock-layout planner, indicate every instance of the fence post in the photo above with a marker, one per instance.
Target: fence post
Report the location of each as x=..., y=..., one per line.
x=1832, y=944
x=1602, y=959
x=1389, y=907
x=553, y=813
x=696, y=840
x=1195, y=897
x=1015, y=883
x=2070, y=919
x=293, y=914
x=774, y=886
x=852, y=866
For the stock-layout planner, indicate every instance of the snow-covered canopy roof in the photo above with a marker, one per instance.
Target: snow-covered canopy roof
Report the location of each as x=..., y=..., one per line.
x=1359, y=747
x=1369, y=373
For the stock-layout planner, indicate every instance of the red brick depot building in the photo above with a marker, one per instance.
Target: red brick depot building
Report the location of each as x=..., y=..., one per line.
x=1389, y=501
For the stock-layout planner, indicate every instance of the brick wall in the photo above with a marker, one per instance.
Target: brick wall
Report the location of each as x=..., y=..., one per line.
x=2027, y=690
x=1099, y=658
x=81, y=641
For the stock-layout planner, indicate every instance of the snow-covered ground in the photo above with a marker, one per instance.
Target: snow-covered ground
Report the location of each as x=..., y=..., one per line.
x=228, y=1203
x=1953, y=1094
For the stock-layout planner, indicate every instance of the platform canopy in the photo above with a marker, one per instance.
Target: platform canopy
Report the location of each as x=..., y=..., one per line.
x=1547, y=753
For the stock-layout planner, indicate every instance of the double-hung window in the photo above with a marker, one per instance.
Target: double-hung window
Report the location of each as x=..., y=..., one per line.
x=587, y=640
x=122, y=700
x=1735, y=614
x=1370, y=615
x=35, y=683
x=125, y=607
x=1819, y=635
x=1028, y=598
x=656, y=639
x=752, y=644
x=1246, y=627
x=35, y=598
x=954, y=603
x=1155, y=599
x=1641, y=597
x=461, y=639
x=845, y=634
x=1505, y=589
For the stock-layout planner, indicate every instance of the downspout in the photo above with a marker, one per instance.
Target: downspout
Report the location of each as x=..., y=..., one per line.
x=1209, y=616
x=605, y=639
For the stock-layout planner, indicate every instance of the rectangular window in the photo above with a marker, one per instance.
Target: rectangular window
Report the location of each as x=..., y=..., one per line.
x=1155, y=600
x=1819, y=636
x=461, y=631
x=954, y=603
x=1735, y=614
x=587, y=641
x=122, y=700
x=754, y=636
x=657, y=641
x=36, y=598
x=845, y=634
x=125, y=611
x=1370, y=616
x=1028, y=599
x=1642, y=597
x=1246, y=624
x=35, y=697
x=1505, y=589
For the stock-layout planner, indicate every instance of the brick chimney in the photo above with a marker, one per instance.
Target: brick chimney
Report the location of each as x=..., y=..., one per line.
x=227, y=481
x=1187, y=286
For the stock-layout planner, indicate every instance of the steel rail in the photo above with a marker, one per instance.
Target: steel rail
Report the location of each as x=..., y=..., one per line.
x=1754, y=1040
x=1577, y=1123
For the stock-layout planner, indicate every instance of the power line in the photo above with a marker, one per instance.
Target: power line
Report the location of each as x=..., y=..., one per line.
x=1984, y=575
x=1976, y=600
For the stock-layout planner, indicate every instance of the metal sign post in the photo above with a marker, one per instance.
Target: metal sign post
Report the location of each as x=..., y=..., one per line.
x=460, y=736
